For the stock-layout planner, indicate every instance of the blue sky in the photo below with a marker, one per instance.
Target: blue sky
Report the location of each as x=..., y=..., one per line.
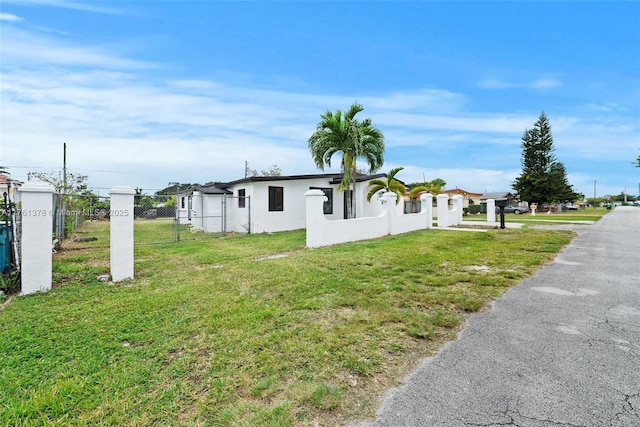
x=149, y=92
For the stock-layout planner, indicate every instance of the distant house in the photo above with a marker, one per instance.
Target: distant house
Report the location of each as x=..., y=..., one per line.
x=269, y=203
x=468, y=198
x=512, y=199
x=9, y=186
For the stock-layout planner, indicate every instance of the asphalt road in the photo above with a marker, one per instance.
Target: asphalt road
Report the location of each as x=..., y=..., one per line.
x=560, y=349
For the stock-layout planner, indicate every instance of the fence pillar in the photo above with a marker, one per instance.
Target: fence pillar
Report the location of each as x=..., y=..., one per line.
x=389, y=202
x=426, y=203
x=457, y=206
x=315, y=217
x=37, y=226
x=443, y=210
x=121, y=231
x=491, y=210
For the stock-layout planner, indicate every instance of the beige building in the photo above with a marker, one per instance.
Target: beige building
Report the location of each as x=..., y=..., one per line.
x=468, y=198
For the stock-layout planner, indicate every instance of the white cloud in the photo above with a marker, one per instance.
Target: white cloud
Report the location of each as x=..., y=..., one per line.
x=606, y=107
x=494, y=83
x=545, y=83
x=115, y=117
x=66, y=4
x=541, y=83
x=22, y=48
x=161, y=131
x=9, y=17
x=500, y=123
x=421, y=100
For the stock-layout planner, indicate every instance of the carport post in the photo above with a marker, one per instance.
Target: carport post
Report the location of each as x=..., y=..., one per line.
x=121, y=231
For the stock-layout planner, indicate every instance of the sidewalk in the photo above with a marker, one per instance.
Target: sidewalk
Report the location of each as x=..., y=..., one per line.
x=560, y=349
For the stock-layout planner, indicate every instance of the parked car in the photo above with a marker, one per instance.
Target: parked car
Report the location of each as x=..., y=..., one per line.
x=513, y=209
x=570, y=207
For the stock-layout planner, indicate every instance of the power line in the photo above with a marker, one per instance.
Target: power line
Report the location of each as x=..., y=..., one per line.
x=75, y=169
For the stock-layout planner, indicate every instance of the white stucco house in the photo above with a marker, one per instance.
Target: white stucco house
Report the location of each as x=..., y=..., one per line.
x=269, y=203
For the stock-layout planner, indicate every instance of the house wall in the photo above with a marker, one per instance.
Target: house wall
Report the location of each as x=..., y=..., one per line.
x=257, y=218
x=292, y=217
x=207, y=209
x=182, y=213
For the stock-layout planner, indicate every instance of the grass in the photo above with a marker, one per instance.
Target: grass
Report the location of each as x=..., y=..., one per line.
x=223, y=332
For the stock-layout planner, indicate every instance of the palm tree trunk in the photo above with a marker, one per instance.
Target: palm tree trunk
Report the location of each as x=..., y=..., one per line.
x=353, y=195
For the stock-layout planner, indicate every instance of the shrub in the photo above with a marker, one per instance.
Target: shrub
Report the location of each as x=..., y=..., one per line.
x=474, y=209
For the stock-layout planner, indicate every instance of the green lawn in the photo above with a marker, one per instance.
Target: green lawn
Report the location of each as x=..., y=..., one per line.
x=247, y=330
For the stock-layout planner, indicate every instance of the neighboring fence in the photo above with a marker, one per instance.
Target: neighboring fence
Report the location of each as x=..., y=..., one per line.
x=154, y=212
x=207, y=216
x=71, y=211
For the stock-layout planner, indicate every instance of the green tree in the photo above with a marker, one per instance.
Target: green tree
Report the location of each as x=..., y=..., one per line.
x=167, y=194
x=559, y=185
x=637, y=162
x=543, y=178
x=4, y=170
x=339, y=133
x=74, y=201
x=273, y=170
x=434, y=187
x=71, y=184
x=171, y=202
x=388, y=184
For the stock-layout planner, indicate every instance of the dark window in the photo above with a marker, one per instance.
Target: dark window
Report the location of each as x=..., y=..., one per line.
x=182, y=202
x=276, y=199
x=327, y=207
x=241, y=198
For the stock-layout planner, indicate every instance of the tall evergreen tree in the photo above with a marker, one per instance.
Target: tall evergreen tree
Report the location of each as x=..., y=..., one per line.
x=543, y=178
x=559, y=185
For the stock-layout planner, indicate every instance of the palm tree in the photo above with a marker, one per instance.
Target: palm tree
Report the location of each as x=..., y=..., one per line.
x=436, y=185
x=344, y=134
x=389, y=184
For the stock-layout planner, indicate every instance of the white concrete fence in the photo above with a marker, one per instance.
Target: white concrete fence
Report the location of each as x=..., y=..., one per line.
x=37, y=222
x=324, y=232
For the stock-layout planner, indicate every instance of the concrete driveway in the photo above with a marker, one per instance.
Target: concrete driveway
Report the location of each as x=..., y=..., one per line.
x=560, y=349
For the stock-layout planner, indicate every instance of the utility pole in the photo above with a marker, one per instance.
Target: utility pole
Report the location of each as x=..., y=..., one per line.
x=594, y=194
x=64, y=168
